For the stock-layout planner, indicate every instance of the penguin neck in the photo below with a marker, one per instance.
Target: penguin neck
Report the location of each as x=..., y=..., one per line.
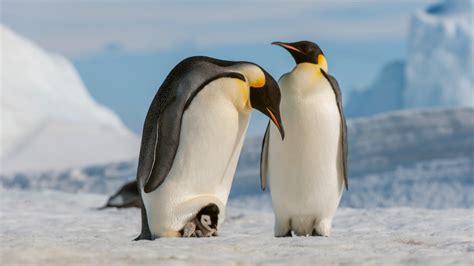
x=241, y=98
x=234, y=90
x=254, y=77
x=252, y=73
x=303, y=80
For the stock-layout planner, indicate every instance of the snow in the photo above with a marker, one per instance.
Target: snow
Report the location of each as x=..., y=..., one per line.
x=75, y=145
x=411, y=172
x=439, y=61
x=61, y=228
x=45, y=107
x=411, y=158
x=438, y=70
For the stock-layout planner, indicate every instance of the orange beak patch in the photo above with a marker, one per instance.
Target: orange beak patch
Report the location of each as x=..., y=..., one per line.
x=287, y=46
x=272, y=116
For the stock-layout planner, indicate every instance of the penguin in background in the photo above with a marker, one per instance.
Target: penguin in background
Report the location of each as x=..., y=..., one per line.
x=192, y=138
x=308, y=170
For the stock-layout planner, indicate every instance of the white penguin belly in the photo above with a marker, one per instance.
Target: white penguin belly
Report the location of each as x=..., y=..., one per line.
x=212, y=134
x=305, y=170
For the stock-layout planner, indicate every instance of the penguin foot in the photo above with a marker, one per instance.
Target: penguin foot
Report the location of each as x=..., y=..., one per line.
x=323, y=228
x=288, y=234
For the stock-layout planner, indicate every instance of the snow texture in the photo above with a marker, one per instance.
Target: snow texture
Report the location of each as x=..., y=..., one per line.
x=60, y=228
x=415, y=158
x=48, y=118
x=439, y=61
x=438, y=71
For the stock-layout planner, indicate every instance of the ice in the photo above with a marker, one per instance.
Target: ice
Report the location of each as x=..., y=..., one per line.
x=437, y=71
x=382, y=96
x=61, y=228
x=439, y=59
x=48, y=118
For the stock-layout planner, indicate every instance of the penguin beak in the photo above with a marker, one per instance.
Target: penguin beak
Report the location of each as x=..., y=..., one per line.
x=266, y=99
x=298, y=55
x=290, y=48
x=272, y=111
x=277, y=121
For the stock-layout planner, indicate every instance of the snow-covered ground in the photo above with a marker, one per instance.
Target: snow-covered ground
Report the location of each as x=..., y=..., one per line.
x=410, y=202
x=411, y=182
x=61, y=228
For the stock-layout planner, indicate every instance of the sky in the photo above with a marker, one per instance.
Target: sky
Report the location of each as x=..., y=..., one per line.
x=123, y=50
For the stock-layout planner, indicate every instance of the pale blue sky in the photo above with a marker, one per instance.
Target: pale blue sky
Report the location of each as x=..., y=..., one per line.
x=124, y=49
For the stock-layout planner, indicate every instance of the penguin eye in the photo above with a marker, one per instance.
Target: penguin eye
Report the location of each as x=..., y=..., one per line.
x=205, y=219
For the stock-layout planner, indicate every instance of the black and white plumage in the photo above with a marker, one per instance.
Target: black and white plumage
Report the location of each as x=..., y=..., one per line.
x=192, y=137
x=307, y=171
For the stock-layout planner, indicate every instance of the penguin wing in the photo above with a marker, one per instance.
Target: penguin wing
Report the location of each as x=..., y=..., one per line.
x=337, y=92
x=264, y=158
x=161, y=132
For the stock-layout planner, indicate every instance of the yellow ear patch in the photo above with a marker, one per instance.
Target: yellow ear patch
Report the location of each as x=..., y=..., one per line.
x=322, y=62
x=258, y=83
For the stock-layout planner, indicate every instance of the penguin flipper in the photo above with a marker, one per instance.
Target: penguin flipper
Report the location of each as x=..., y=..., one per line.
x=337, y=92
x=161, y=132
x=264, y=159
x=127, y=196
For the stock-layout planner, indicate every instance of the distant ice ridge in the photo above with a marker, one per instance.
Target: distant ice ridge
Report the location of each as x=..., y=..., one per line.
x=438, y=71
x=416, y=158
x=382, y=96
x=439, y=60
x=48, y=118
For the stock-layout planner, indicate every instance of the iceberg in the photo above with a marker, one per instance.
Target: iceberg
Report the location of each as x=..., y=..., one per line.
x=48, y=118
x=438, y=70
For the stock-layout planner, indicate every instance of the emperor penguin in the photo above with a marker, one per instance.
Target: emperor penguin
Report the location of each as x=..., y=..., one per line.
x=192, y=138
x=308, y=170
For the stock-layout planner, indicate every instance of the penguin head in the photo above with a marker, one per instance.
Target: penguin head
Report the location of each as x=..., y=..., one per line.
x=209, y=215
x=266, y=98
x=305, y=52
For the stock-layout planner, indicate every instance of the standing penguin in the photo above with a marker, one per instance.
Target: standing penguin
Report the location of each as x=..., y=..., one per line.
x=191, y=141
x=307, y=171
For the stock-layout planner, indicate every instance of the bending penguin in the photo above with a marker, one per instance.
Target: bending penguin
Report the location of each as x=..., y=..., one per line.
x=308, y=170
x=192, y=138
